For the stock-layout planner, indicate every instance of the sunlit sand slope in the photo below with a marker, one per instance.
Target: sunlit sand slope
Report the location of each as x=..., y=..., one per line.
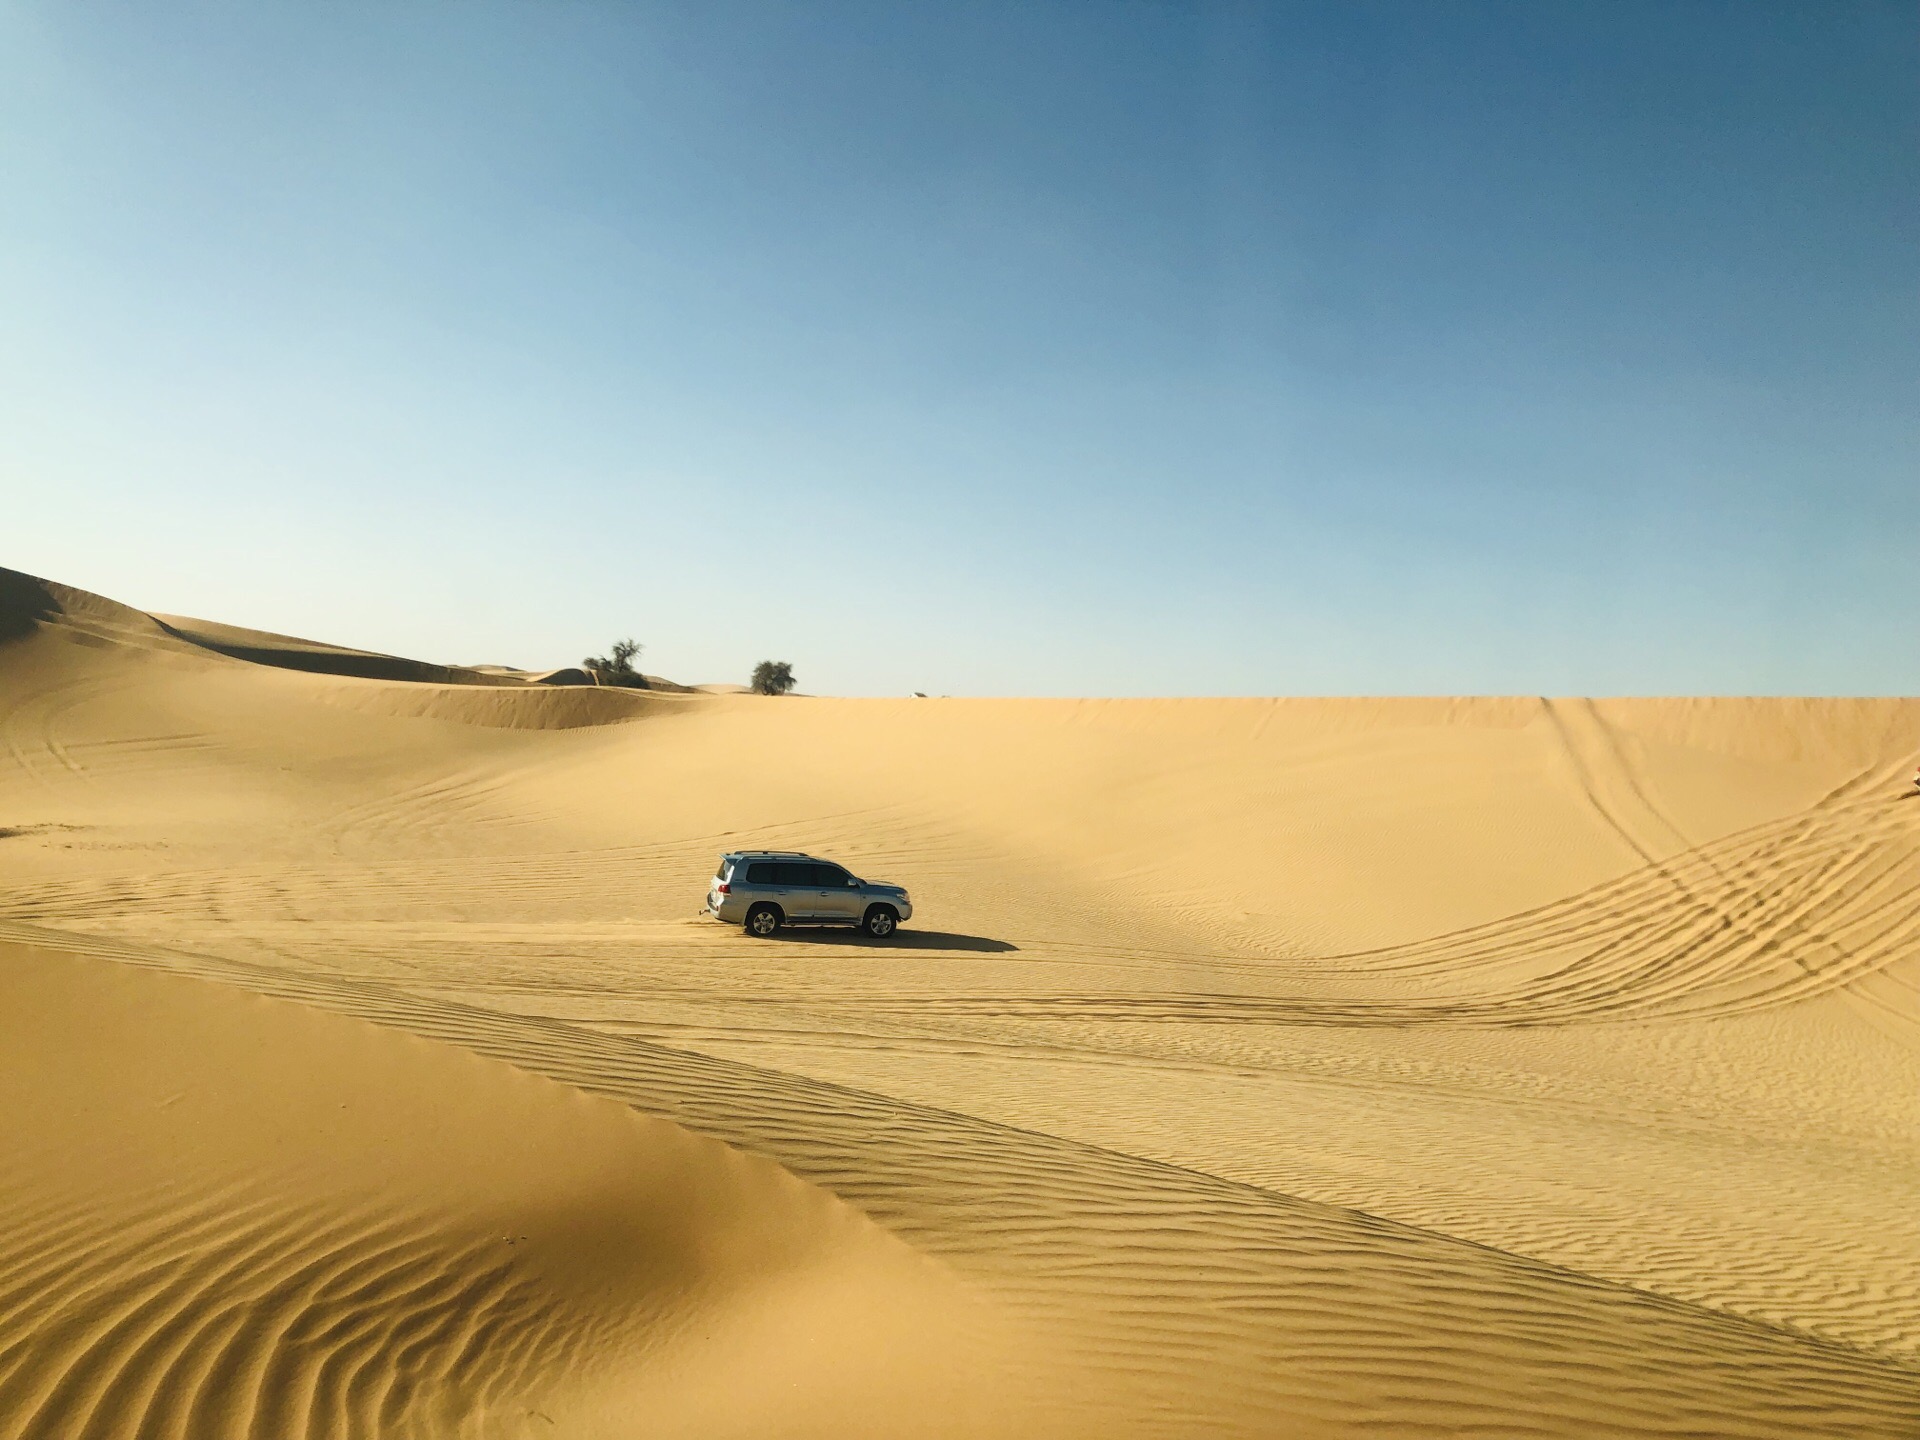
x=1322, y=1068
x=227, y=1216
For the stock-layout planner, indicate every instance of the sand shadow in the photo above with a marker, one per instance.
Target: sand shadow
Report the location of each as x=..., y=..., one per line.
x=905, y=939
x=24, y=602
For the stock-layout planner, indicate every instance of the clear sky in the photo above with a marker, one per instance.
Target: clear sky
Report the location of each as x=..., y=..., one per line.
x=1093, y=348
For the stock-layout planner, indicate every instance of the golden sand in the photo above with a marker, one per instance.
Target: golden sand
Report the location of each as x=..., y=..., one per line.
x=1489, y=1067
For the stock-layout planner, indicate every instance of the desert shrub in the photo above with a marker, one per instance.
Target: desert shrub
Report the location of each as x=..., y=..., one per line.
x=616, y=667
x=772, y=677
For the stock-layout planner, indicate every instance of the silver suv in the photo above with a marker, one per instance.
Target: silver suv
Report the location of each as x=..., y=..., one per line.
x=765, y=889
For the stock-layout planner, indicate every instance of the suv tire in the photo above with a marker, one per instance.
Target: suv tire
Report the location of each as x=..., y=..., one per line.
x=880, y=921
x=763, y=921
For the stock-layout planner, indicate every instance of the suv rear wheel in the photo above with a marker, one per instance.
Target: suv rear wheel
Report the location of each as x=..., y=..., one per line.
x=880, y=921
x=763, y=920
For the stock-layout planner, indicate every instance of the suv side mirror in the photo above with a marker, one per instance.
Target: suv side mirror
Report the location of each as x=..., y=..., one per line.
x=853, y=884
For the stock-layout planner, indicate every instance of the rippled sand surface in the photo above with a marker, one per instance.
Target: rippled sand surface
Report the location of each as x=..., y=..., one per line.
x=1492, y=1067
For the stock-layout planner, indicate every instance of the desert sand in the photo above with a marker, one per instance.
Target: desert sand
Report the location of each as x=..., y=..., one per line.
x=1264, y=1068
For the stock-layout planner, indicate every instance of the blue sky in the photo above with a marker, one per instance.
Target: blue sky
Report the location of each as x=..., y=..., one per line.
x=1080, y=349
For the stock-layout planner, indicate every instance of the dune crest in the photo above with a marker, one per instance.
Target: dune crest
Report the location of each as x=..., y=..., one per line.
x=231, y=1216
x=491, y=696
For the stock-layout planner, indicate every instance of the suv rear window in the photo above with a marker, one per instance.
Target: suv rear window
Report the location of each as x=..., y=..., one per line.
x=794, y=873
x=778, y=872
x=726, y=869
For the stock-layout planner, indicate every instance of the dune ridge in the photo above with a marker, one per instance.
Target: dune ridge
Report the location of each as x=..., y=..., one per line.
x=28, y=603
x=451, y=1247
x=1297, y=1067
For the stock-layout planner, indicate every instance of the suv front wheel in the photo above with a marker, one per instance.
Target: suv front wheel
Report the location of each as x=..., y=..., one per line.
x=763, y=920
x=880, y=921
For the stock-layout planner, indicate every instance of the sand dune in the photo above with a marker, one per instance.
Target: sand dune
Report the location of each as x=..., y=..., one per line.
x=236, y=1217
x=262, y=647
x=1321, y=1068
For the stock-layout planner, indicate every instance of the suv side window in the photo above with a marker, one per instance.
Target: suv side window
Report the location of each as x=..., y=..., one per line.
x=792, y=873
x=761, y=872
x=829, y=877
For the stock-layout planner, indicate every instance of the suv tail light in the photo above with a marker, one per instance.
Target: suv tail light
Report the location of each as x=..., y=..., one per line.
x=723, y=888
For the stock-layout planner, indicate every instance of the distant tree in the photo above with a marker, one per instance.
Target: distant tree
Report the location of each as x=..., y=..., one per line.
x=617, y=667
x=772, y=677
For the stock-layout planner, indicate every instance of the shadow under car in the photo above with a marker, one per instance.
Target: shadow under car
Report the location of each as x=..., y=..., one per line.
x=902, y=939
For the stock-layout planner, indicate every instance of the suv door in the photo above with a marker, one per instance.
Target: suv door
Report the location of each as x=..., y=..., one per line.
x=800, y=895
x=839, y=898
x=774, y=880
